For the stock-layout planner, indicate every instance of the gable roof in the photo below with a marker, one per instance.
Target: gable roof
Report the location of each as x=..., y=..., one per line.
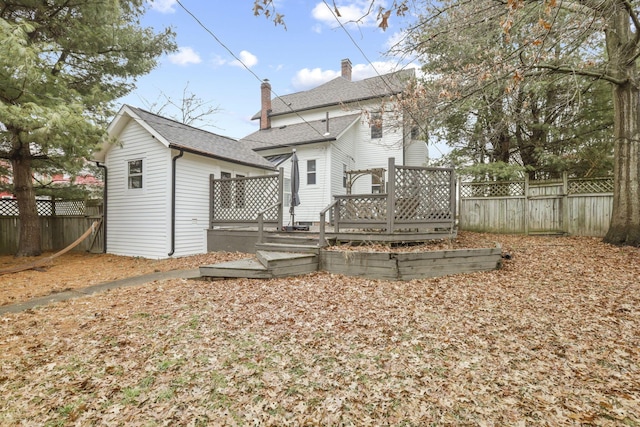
x=174, y=134
x=300, y=133
x=341, y=91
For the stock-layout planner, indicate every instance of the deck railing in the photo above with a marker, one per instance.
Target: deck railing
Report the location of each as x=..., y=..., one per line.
x=417, y=198
x=243, y=201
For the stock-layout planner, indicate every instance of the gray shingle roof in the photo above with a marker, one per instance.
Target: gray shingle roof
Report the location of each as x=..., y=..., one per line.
x=300, y=133
x=201, y=142
x=341, y=91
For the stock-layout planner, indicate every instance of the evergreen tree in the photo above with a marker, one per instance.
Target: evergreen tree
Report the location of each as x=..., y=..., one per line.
x=62, y=64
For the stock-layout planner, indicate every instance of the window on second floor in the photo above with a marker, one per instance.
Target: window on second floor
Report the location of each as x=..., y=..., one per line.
x=375, y=121
x=416, y=133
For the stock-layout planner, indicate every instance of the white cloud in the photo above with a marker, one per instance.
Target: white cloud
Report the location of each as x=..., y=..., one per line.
x=307, y=78
x=364, y=71
x=162, y=6
x=356, y=11
x=185, y=56
x=247, y=58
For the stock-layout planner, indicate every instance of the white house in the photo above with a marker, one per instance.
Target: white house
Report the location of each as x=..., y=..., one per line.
x=340, y=126
x=157, y=183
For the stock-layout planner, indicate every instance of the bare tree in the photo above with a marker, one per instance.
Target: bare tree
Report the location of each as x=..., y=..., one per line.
x=190, y=109
x=605, y=34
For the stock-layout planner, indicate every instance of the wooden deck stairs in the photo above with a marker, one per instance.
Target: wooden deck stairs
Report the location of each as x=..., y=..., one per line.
x=281, y=256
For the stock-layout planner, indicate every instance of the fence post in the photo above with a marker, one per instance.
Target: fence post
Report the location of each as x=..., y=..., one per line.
x=564, y=202
x=453, y=180
x=211, y=201
x=391, y=195
x=526, y=204
x=57, y=240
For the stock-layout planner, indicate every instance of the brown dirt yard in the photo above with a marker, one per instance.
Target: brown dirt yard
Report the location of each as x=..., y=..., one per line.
x=550, y=339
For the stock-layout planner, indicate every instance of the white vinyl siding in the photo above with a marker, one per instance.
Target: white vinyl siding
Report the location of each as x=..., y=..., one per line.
x=192, y=204
x=138, y=219
x=416, y=154
x=343, y=153
x=376, y=153
x=192, y=198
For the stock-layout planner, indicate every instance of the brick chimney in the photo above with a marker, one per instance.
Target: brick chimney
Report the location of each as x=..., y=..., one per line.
x=346, y=69
x=265, y=108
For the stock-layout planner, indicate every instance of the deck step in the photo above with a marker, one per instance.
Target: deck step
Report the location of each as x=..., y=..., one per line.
x=273, y=260
x=292, y=238
x=289, y=247
x=266, y=265
x=249, y=268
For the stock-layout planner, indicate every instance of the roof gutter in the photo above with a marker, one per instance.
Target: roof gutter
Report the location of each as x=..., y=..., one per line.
x=213, y=156
x=104, y=206
x=295, y=144
x=173, y=202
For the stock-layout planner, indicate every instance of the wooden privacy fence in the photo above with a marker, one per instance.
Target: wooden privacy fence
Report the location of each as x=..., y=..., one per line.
x=61, y=223
x=580, y=207
x=241, y=201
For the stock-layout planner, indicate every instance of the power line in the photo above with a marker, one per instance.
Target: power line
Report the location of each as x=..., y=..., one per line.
x=243, y=64
x=374, y=67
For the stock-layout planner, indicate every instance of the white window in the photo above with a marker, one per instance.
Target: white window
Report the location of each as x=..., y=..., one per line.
x=344, y=176
x=287, y=192
x=376, y=184
x=311, y=172
x=135, y=174
x=376, y=125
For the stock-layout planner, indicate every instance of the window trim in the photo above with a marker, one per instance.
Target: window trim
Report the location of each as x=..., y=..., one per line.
x=312, y=172
x=344, y=175
x=140, y=174
x=375, y=123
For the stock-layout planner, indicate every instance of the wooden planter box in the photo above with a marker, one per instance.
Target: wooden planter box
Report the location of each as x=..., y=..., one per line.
x=410, y=265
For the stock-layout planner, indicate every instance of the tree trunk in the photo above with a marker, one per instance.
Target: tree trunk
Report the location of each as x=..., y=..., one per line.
x=625, y=217
x=30, y=243
x=621, y=47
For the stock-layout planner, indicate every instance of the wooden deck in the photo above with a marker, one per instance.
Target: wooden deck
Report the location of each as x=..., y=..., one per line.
x=245, y=239
x=296, y=253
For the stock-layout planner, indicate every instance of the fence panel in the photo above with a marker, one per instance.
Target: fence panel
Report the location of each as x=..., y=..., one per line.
x=61, y=223
x=573, y=206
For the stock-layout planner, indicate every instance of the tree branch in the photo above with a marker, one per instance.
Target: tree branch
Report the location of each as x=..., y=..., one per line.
x=585, y=73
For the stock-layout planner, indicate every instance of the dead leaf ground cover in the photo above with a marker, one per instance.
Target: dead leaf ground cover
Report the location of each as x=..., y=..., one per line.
x=550, y=339
x=76, y=270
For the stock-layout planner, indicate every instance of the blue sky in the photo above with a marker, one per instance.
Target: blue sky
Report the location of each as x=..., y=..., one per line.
x=306, y=54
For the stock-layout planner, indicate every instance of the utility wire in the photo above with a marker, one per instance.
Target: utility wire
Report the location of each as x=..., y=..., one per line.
x=373, y=67
x=243, y=64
